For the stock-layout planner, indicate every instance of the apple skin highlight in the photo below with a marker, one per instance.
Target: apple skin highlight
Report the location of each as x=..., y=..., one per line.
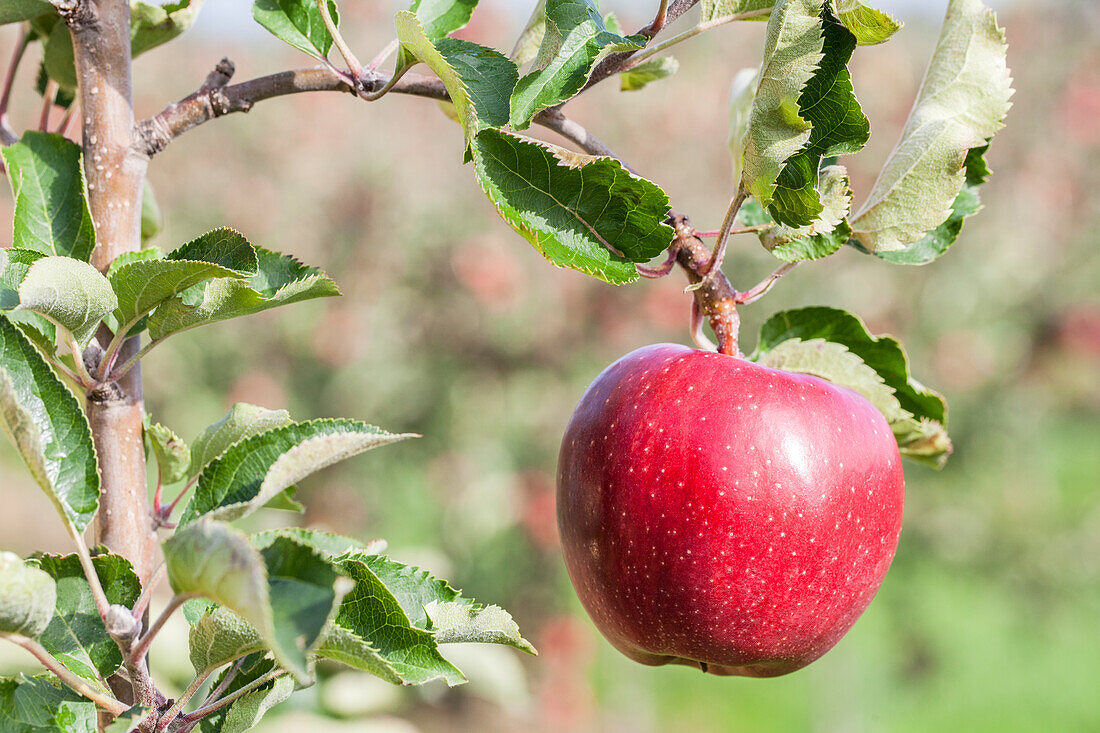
x=725, y=515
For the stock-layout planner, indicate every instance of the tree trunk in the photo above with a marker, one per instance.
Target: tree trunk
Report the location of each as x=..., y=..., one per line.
x=115, y=176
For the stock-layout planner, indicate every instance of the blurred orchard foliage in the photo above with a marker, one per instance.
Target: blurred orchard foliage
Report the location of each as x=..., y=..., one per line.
x=451, y=327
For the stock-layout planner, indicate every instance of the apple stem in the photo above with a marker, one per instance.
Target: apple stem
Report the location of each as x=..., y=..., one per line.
x=715, y=297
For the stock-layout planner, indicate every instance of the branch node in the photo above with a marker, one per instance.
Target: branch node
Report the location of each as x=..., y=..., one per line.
x=219, y=77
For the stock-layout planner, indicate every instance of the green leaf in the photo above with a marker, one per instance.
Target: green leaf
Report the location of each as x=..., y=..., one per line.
x=869, y=25
x=69, y=292
x=64, y=96
x=254, y=470
x=287, y=593
x=144, y=284
x=45, y=423
x=246, y=712
x=934, y=244
x=221, y=636
x=27, y=597
x=458, y=622
x=76, y=635
x=374, y=633
x=57, y=57
x=742, y=92
x=648, y=71
x=297, y=22
x=575, y=40
x=152, y=24
x=777, y=130
x=826, y=234
x=14, y=11
x=280, y=280
x=42, y=705
x=716, y=9
x=442, y=17
x=152, y=221
x=14, y=265
x=829, y=104
x=479, y=80
x=575, y=209
x=835, y=363
x=331, y=545
x=961, y=104
x=527, y=45
x=173, y=455
x=455, y=619
x=51, y=212
x=242, y=421
x=920, y=434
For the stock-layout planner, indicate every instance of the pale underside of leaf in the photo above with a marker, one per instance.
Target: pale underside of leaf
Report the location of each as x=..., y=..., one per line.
x=836, y=199
x=464, y=622
x=69, y=292
x=961, y=104
x=27, y=597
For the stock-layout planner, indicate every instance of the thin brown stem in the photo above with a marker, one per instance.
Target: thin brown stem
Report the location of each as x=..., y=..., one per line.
x=382, y=55
x=142, y=647
x=79, y=685
x=49, y=95
x=719, y=253
x=172, y=712
x=102, y=605
x=761, y=288
x=390, y=84
x=348, y=55
x=652, y=51
x=147, y=592
x=217, y=705
x=227, y=680
x=7, y=134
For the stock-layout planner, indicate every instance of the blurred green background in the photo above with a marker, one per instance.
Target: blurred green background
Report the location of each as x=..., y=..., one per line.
x=453, y=327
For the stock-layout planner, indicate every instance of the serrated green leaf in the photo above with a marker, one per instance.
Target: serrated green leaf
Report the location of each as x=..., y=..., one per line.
x=27, y=597
x=152, y=221
x=716, y=9
x=442, y=17
x=69, y=292
x=648, y=71
x=247, y=711
x=152, y=24
x=530, y=39
x=826, y=234
x=15, y=11
x=47, y=181
x=793, y=49
x=961, y=104
x=327, y=543
x=934, y=244
x=458, y=622
x=57, y=57
x=76, y=635
x=172, y=453
x=573, y=208
x=221, y=636
x=574, y=41
x=280, y=280
x=141, y=255
x=242, y=421
x=927, y=412
x=297, y=22
x=870, y=26
x=829, y=104
x=45, y=423
x=254, y=470
x=144, y=284
x=373, y=633
x=42, y=704
x=479, y=80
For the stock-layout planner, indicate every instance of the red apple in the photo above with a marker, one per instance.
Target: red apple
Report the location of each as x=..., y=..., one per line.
x=724, y=515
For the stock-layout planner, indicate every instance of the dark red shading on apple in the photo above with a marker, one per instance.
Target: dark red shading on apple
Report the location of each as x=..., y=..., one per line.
x=724, y=515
